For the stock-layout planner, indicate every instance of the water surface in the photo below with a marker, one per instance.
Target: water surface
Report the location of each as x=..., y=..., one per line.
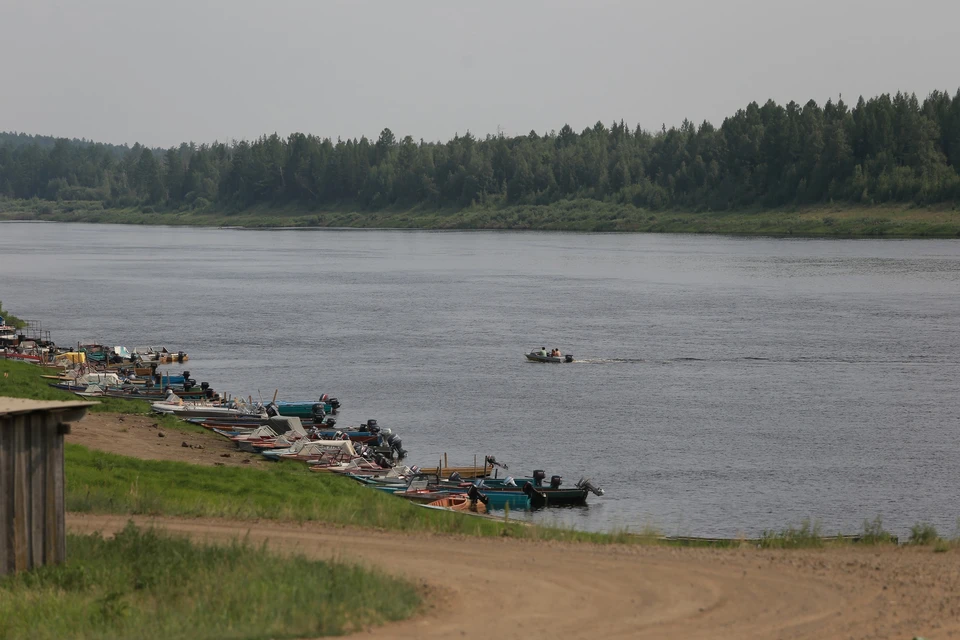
x=723, y=385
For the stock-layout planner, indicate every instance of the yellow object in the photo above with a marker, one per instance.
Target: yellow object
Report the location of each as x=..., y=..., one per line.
x=75, y=356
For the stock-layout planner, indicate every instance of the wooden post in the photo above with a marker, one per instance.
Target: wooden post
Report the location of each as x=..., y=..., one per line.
x=445, y=463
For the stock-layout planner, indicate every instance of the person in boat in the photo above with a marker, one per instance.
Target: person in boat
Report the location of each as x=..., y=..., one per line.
x=543, y=351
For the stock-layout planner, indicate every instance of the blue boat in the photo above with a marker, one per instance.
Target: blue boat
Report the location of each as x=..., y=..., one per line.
x=306, y=408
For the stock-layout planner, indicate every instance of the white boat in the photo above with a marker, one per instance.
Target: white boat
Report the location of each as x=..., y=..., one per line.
x=173, y=405
x=536, y=356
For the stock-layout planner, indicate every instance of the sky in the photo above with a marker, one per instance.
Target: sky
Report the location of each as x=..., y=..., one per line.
x=165, y=72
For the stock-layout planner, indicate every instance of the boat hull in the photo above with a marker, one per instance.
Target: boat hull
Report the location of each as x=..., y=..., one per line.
x=536, y=357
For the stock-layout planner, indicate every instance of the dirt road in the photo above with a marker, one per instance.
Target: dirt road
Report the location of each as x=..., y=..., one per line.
x=505, y=588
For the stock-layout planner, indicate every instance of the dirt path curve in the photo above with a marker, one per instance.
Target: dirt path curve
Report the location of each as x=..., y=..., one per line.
x=505, y=588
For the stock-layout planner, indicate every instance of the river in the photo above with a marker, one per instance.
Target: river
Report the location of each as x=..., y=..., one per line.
x=722, y=385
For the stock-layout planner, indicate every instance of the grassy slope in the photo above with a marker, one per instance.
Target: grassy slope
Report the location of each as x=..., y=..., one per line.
x=25, y=381
x=571, y=215
x=105, y=483
x=146, y=585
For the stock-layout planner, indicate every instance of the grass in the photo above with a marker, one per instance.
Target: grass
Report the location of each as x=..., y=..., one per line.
x=144, y=584
x=100, y=482
x=807, y=535
x=11, y=320
x=874, y=533
x=846, y=220
x=923, y=533
x=24, y=380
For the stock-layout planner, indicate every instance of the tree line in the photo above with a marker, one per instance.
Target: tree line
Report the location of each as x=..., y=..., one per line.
x=886, y=149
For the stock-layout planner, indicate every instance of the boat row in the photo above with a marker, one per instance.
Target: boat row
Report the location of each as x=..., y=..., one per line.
x=306, y=430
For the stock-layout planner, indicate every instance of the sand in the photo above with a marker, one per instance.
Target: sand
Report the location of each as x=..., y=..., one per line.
x=506, y=588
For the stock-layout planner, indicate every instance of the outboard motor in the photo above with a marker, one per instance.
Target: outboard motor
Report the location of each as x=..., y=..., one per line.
x=555, y=482
x=204, y=385
x=181, y=356
x=334, y=405
x=492, y=461
x=381, y=460
x=394, y=441
x=186, y=374
x=568, y=358
x=474, y=494
x=538, y=476
x=509, y=482
x=374, y=428
x=317, y=411
x=585, y=483
x=455, y=477
x=330, y=423
x=272, y=410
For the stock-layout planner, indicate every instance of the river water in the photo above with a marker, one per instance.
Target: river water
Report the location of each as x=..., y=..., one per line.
x=723, y=386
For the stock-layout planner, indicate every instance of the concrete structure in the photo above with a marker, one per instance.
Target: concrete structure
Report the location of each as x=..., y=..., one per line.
x=32, y=514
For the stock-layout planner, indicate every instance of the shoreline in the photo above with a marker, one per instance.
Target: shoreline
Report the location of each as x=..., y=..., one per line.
x=578, y=216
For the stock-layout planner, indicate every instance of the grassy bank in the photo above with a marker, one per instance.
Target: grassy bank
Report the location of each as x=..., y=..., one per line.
x=22, y=380
x=99, y=482
x=144, y=584
x=891, y=221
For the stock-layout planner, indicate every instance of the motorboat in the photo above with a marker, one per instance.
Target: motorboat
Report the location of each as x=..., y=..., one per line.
x=535, y=356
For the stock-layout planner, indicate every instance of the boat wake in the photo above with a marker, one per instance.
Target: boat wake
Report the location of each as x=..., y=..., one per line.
x=915, y=360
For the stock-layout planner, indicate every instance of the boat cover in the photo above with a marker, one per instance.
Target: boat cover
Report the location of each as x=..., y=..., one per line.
x=109, y=379
x=318, y=447
x=283, y=424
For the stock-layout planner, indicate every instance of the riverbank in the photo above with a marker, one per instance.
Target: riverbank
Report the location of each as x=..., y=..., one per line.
x=564, y=590
x=842, y=221
x=541, y=584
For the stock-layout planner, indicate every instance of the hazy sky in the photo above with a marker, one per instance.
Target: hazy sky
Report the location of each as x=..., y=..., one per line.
x=165, y=71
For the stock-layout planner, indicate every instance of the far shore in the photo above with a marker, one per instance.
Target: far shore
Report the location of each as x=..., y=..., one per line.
x=824, y=221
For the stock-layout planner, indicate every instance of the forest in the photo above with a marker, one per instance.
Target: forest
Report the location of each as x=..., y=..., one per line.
x=888, y=149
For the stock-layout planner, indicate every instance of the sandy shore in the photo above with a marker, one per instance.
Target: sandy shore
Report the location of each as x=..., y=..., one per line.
x=505, y=588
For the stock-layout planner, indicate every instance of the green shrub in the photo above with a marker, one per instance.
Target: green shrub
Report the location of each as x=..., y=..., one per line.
x=806, y=535
x=923, y=533
x=874, y=533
